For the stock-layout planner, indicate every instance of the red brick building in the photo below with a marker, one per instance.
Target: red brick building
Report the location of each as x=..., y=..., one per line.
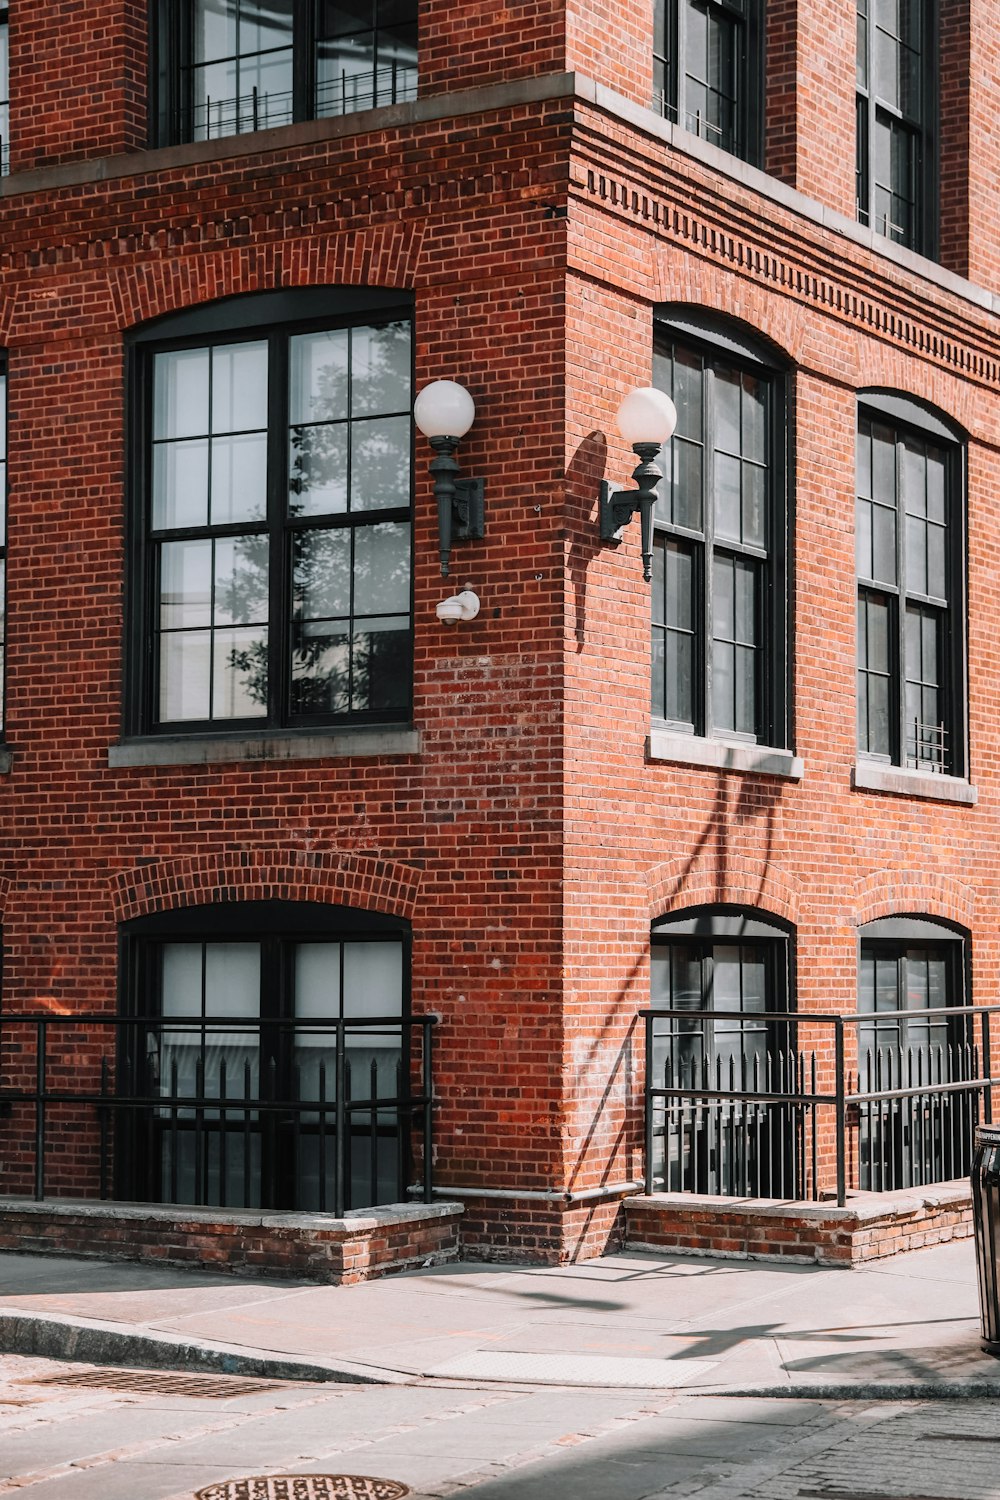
x=250, y=776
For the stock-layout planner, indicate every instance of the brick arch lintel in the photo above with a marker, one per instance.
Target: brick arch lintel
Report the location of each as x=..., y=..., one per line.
x=887, y=893
x=673, y=886
x=377, y=255
x=329, y=876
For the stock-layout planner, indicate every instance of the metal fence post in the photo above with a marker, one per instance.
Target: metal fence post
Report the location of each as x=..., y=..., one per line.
x=40, y=1112
x=841, y=1107
x=648, y=1105
x=339, y=1118
x=428, y=1027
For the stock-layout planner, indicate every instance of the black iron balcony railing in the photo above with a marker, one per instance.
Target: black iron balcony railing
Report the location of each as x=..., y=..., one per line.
x=794, y=1106
x=219, y=1111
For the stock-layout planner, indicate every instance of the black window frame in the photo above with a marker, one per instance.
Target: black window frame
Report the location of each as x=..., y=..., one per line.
x=727, y=345
x=245, y=318
x=672, y=48
x=922, y=1137
x=874, y=110
x=4, y=525
x=724, y=1143
x=172, y=115
x=911, y=419
x=275, y=927
x=5, y=103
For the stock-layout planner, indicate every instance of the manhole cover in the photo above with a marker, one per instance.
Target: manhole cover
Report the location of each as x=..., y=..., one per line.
x=144, y=1382
x=305, y=1487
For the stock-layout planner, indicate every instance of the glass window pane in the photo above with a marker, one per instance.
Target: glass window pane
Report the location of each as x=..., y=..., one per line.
x=380, y=370
x=728, y=386
x=380, y=665
x=214, y=29
x=935, y=484
x=180, y=394
x=754, y=419
x=241, y=580
x=239, y=686
x=239, y=387
x=373, y=979
x=181, y=979
x=936, y=576
x=317, y=982
x=380, y=463
x=754, y=505
x=914, y=477
x=185, y=676
x=916, y=555
x=180, y=484
x=680, y=497
x=239, y=478
x=318, y=388
x=321, y=669
x=883, y=544
x=185, y=585
x=266, y=91
x=382, y=569
x=687, y=394
x=318, y=470
x=321, y=580
x=727, y=497
x=864, y=459
x=264, y=24
x=884, y=464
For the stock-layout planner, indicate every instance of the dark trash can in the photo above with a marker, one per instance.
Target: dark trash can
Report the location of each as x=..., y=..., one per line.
x=986, y=1221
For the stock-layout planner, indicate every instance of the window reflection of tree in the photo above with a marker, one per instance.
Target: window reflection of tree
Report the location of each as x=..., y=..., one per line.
x=349, y=584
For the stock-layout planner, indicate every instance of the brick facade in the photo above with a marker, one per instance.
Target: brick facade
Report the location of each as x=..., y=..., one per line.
x=529, y=841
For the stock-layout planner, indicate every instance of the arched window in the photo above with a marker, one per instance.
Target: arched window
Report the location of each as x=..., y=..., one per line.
x=707, y=74
x=912, y=972
x=911, y=585
x=230, y=1036
x=724, y=974
x=719, y=598
x=271, y=513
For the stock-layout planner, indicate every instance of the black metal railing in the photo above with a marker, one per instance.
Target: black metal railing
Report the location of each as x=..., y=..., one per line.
x=795, y=1106
x=221, y=1111
x=342, y=93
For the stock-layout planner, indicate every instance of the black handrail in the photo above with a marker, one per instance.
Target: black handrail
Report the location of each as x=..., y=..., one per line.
x=749, y=1123
x=116, y=1099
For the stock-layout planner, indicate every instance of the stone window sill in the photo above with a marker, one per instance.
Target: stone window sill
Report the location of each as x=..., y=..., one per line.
x=190, y=750
x=876, y=776
x=720, y=755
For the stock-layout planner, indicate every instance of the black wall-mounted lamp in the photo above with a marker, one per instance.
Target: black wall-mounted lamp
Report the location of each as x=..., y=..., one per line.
x=646, y=419
x=444, y=411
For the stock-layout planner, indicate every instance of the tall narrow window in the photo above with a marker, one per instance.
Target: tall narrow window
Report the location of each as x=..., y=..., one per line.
x=706, y=70
x=225, y=67
x=910, y=592
x=895, y=108
x=4, y=92
x=272, y=521
x=718, y=582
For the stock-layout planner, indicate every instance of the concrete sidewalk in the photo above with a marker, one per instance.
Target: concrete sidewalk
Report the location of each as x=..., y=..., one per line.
x=898, y=1328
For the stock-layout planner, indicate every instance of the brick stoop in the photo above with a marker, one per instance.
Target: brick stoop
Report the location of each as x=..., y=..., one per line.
x=870, y=1227
x=365, y=1243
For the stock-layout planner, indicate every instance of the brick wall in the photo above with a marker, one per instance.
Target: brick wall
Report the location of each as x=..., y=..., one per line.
x=529, y=842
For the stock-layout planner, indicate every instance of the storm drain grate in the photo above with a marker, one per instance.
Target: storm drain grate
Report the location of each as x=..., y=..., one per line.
x=305, y=1487
x=208, y=1388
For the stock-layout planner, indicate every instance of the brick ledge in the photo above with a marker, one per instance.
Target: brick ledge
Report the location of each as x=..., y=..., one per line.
x=871, y=1226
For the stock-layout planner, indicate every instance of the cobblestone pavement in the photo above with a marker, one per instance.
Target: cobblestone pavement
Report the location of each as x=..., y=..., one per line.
x=92, y=1442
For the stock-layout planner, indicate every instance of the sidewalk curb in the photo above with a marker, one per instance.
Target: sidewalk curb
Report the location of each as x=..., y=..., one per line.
x=863, y=1390
x=97, y=1343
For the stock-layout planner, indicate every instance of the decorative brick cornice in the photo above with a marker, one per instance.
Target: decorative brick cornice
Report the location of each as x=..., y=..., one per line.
x=330, y=876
